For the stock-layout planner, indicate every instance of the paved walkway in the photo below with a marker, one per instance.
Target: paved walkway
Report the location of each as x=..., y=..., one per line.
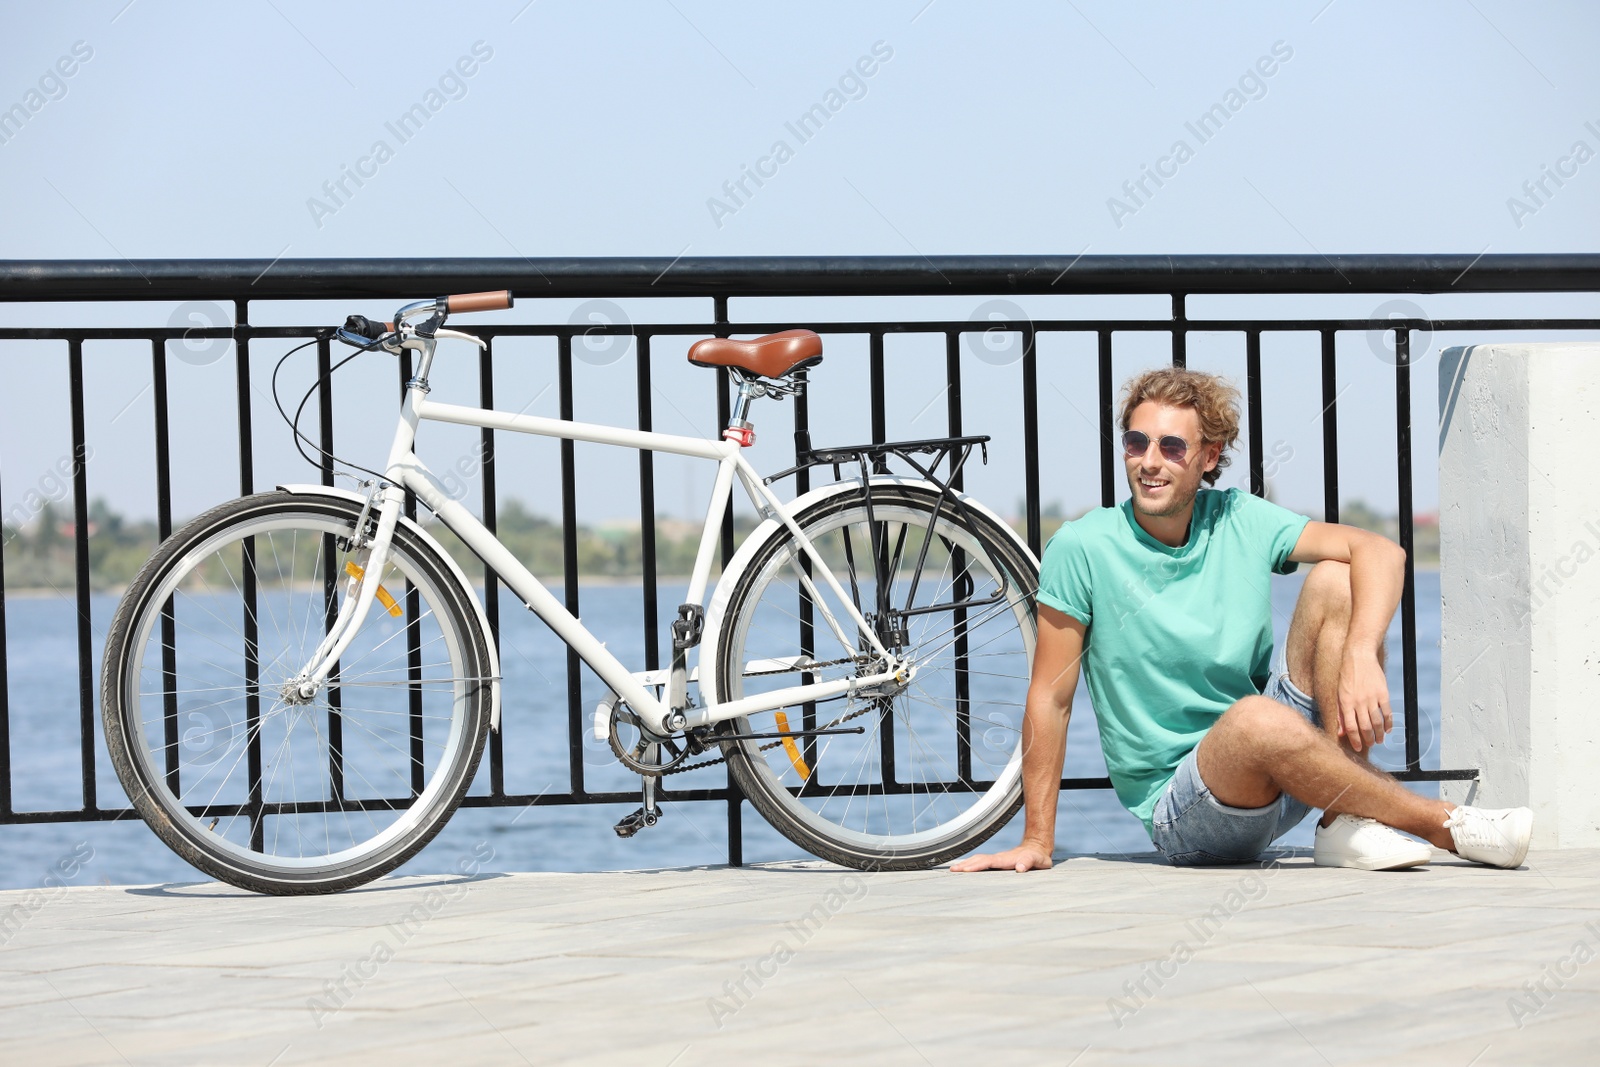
x=1103, y=960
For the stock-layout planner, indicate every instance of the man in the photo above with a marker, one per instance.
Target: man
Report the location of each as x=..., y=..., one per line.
x=1165, y=599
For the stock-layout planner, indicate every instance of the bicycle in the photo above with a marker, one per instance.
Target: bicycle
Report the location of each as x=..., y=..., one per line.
x=340, y=668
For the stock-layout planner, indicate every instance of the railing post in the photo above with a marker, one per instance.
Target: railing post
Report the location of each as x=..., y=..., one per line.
x=1108, y=423
x=1180, y=331
x=569, y=561
x=5, y=694
x=80, y=546
x=1408, y=595
x=1252, y=395
x=249, y=625
x=169, y=638
x=1329, y=417
x=719, y=313
x=1030, y=440
x=491, y=580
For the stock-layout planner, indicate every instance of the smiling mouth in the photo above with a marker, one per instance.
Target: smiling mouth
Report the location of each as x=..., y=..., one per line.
x=1151, y=485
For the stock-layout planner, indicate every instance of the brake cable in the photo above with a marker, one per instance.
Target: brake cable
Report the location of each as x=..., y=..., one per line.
x=300, y=439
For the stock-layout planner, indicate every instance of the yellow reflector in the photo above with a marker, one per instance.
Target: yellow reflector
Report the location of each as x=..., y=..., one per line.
x=793, y=749
x=353, y=569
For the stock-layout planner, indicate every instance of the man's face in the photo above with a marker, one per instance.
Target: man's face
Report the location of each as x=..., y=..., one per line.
x=1163, y=487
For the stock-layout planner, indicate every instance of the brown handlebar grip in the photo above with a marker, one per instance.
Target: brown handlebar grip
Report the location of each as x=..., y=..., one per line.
x=478, y=301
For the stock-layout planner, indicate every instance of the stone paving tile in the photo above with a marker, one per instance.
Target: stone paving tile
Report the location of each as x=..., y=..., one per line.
x=1225, y=1018
x=339, y=983
x=805, y=1050
x=374, y=1038
x=1365, y=1031
x=260, y=953
x=1289, y=949
x=938, y=1036
x=1530, y=910
x=1546, y=1040
x=1380, y=981
x=484, y=1046
x=33, y=1005
x=565, y=1029
x=820, y=1014
x=1260, y=1023
x=1457, y=930
x=594, y=991
x=84, y=1047
x=1534, y=955
x=498, y=949
x=93, y=979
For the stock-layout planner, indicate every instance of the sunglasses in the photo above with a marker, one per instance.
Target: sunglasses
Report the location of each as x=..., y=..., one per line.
x=1136, y=443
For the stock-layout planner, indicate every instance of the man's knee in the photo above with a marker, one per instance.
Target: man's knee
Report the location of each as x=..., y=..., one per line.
x=1327, y=591
x=1328, y=587
x=1266, y=724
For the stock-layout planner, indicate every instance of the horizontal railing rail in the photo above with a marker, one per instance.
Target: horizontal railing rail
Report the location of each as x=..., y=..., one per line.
x=251, y=281
x=284, y=279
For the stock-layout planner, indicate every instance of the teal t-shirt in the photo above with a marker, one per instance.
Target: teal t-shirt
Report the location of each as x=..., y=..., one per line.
x=1176, y=635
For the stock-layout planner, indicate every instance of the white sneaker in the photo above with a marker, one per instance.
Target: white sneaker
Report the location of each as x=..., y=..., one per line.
x=1367, y=845
x=1496, y=836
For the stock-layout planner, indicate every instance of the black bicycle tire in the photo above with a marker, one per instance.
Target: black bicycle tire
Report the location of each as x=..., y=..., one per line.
x=741, y=756
x=128, y=620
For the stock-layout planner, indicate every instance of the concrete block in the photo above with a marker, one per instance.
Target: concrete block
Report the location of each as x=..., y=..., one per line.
x=1519, y=528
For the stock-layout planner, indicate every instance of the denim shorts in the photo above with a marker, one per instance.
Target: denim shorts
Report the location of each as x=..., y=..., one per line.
x=1191, y=828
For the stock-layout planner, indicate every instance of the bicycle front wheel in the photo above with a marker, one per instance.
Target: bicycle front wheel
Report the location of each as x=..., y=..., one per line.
x=936, y=768
x=230, y=766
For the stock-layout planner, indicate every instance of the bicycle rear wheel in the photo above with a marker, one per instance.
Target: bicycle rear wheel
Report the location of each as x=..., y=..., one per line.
x=229, y=766
x=937, y=768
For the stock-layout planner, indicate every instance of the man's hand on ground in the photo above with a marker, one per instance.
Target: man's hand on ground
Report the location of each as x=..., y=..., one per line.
x=1024, y=857
x=1364, y=715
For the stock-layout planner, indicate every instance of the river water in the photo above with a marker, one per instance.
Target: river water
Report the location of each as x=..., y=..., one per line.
x=44, y=701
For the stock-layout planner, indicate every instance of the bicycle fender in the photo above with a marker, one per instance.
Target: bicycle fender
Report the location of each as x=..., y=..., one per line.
x=455, y=569
x=723, y=593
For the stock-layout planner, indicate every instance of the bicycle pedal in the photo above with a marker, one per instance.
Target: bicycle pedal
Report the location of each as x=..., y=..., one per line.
x=638, y=820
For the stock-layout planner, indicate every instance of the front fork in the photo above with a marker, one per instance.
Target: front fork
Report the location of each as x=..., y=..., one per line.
x=370, y=556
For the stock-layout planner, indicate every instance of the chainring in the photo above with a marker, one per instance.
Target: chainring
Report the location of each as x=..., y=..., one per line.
x=635, y=757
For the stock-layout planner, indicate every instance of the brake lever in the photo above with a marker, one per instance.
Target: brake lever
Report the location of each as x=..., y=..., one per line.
x=459, y=336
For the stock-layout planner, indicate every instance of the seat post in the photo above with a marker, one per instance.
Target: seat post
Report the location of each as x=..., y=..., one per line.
x=739, y=427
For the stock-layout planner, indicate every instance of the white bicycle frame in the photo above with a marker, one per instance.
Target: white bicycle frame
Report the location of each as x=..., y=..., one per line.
x=406, y=471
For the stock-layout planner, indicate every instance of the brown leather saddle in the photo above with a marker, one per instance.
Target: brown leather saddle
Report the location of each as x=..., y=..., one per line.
x=772, y=356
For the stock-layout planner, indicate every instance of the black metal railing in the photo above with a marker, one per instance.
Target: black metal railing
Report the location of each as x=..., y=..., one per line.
x=720, y=280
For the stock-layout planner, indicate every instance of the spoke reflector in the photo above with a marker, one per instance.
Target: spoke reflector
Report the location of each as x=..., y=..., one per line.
x=793, y=749
x=354, y=570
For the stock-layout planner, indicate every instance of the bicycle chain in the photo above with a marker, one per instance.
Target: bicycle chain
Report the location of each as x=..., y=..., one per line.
x=774, y=744
x=766, y=747
x=855, y=660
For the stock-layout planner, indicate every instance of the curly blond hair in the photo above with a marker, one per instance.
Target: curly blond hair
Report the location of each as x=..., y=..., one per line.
x=1211, y=396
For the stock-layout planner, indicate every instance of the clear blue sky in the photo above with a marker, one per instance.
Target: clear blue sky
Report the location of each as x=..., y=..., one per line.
x=209, y=130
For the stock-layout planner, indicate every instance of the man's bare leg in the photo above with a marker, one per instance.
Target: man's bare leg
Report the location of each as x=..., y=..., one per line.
x=1260, y=749
x=1314, y=648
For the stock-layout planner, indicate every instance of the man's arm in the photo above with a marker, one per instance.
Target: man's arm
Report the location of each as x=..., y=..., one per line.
x=1377, y=580
x=1044, y=743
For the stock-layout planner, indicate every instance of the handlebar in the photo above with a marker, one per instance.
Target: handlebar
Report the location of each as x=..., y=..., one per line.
x=478, y=301
x=359, y=328
x=362, y=326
